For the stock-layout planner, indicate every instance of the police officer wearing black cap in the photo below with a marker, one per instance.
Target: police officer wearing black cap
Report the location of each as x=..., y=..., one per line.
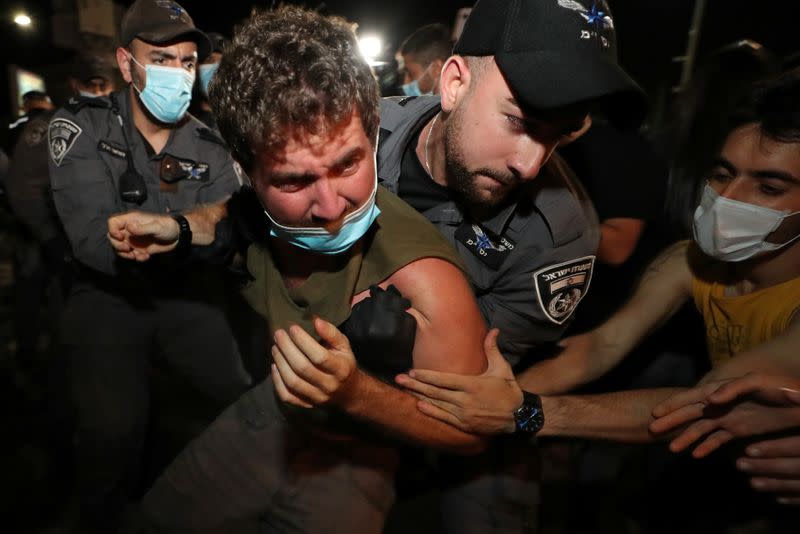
x=205, y=72
x=480, y=163
x=137, y=149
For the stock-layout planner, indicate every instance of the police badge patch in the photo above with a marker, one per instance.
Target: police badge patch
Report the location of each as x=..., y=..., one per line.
x=488, y=247
x=62, y=135
x=561, y=287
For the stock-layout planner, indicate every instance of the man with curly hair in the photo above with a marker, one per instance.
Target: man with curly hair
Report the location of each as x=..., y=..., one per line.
x=298, y=106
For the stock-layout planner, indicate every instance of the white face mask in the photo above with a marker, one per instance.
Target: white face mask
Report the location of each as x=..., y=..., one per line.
x=730, y=230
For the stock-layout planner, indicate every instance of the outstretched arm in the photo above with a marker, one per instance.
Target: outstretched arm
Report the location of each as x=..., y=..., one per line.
x=137, y=235
x=755, y=404
x=664, y=287
x=481, y=404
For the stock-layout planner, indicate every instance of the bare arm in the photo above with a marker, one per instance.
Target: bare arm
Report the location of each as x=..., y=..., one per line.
x=621, y=416
x=138, y=235
x=664, y=287
x=449, y=337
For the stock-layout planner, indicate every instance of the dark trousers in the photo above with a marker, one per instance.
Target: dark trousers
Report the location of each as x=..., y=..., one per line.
x=111, y=344
x=252, y=470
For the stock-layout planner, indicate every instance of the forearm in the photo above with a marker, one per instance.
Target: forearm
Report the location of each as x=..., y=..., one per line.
x=621, y=416
x=558, y=375
x=203, y=222
x=396, y=412
x=574, y=368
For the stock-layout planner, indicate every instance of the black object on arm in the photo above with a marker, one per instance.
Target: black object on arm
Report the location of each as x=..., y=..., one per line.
x=184, y=236
x=382, y=333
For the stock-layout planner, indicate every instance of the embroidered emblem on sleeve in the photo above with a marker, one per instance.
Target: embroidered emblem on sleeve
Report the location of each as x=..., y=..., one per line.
x=62, y=134
x=561, y=287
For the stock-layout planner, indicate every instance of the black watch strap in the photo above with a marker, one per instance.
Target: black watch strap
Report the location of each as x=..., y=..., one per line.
x=184, y=244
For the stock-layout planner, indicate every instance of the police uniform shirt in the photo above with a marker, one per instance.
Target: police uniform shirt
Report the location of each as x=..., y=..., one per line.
x=89, y=153
x=28, y=182
x=531, y=263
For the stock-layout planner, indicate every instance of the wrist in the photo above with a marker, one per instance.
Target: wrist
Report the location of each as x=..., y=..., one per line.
x=183, y=243
x=347, y=396
x=529, y=417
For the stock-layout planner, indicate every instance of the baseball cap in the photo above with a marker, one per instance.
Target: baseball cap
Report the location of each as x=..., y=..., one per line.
x=86, y=66
x=218, y=41
x=555, y=53
x=161, y=21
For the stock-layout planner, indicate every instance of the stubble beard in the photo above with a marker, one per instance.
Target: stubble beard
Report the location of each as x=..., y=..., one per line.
x=461, y=181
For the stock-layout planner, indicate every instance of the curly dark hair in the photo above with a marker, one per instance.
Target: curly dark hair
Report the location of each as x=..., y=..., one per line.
x=288, y=72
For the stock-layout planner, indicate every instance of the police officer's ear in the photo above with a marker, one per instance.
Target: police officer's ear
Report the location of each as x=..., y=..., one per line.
x=455, y=79
x=124, y=64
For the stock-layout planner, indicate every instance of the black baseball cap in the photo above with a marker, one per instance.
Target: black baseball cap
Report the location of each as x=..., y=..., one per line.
x=161, y=21
x=554, y=53
x=218, y=41
x=86, y=66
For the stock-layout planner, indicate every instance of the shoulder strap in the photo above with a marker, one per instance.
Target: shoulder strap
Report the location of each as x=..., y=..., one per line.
x=76, y=103
x=207, y=134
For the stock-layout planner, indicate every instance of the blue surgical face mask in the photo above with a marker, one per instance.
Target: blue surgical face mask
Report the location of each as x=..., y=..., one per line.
x=206, y=72
x=412, y=88
x=167, y=91
x=318, y=239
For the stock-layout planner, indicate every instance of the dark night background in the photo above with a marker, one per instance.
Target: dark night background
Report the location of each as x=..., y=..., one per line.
x=650, y=33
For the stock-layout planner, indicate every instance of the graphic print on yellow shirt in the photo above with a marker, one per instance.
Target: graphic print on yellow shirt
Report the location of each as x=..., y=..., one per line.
x=737, y=323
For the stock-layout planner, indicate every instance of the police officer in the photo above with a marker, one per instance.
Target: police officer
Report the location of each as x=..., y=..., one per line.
x=137, y=149
x=479, y=163
x=42, y=249
x=205, y=71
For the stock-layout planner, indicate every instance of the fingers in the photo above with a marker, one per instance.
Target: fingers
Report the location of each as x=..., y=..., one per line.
x=712, y=443
x=775, y=448
x=498, y=366
x=443, y=380
x=775, y=485
x=283, y=392
x=430, y=391
x=788, y=500
x=692, y=433
x=436, y=412
x=296, y=383
x=116, y=227
x=792, y=394
x=788, y=467
x=679, y=417
x=331, y=335
x=768, y=388
x=303, y=343
x=736, y=388
x=690, y=396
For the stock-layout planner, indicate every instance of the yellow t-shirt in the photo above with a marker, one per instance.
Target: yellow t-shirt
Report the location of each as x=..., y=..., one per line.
x=738, y=323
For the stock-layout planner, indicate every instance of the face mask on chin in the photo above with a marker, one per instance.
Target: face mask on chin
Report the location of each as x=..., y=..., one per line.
x=730, y=230
x=167, y=91
x=318, y=239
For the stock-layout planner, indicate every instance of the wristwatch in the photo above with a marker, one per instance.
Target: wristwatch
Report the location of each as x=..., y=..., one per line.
x=529, y=418
x=184, y=236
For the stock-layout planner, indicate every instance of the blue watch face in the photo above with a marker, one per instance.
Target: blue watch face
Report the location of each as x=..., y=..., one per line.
x=529, y=419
